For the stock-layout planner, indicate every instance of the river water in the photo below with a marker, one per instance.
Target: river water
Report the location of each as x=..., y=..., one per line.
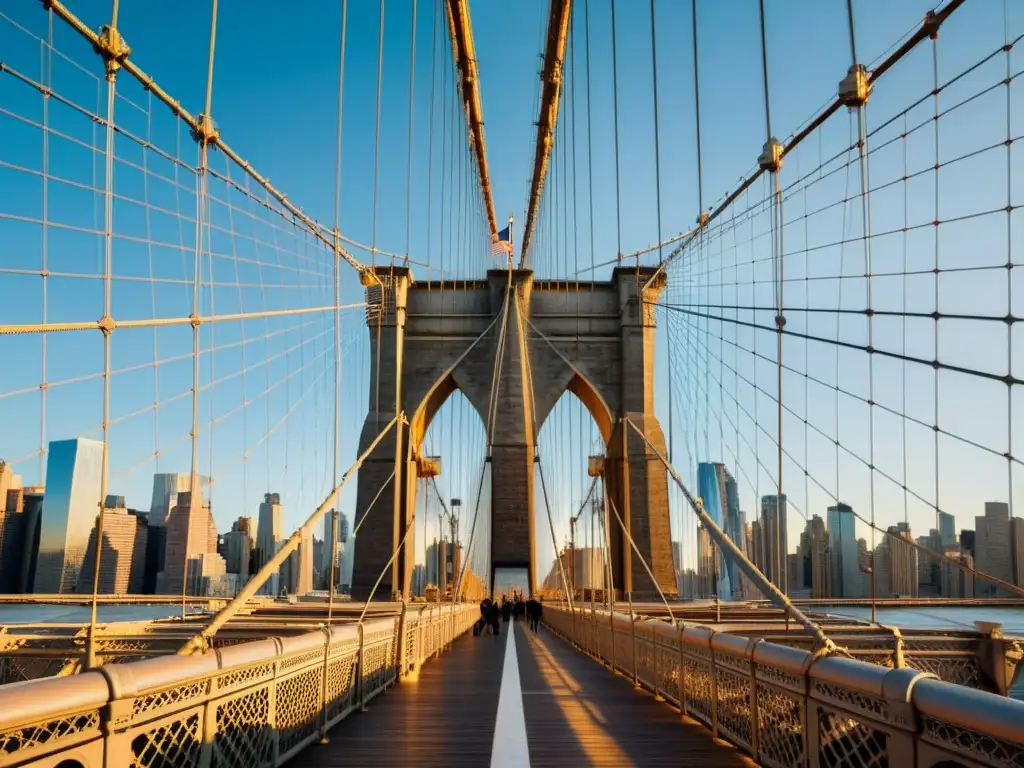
x=79, y=614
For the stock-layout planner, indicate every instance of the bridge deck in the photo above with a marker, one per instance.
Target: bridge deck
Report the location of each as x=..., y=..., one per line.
x=560, y=707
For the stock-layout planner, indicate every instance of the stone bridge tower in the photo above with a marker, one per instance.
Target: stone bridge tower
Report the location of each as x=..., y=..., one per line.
x=594, y=339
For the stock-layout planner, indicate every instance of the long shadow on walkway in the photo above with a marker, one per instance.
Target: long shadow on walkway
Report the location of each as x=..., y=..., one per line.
x=444, y=718
x=578, y=713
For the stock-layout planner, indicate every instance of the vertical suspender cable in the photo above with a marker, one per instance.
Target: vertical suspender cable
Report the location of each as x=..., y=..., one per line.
x=408, y=159
x=337, y=314
x=106, y=326
x=615, y=108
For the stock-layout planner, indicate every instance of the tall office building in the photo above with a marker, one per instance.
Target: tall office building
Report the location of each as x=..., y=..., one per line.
x=844, y=556
x=32, y=518
x=12, y=529
x=166, y=487
x=953, y=581
x=813, y=559
x=896, y=570
x=773, y=545
x=191, y=549
x=708, y=575
x=992, y=547
x=269, y=535
x=947, y=531
x=122, y=554
x=70, y=507
x=710, y=485
x=1017, y=550
x=236, y=549
x=928, y=577
x=297, y=570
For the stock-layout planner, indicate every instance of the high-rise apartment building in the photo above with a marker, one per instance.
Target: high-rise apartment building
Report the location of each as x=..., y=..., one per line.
x=122, y=554
x=70, y=508
x=166, y=487
x=992, y=547
x=844, y=553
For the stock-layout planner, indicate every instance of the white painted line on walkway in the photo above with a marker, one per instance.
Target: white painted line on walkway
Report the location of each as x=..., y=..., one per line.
x=510, y=749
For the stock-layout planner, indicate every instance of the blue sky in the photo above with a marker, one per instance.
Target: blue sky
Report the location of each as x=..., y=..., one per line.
x=275, y=102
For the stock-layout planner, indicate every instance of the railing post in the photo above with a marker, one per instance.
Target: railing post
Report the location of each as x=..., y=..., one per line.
x=323, y=683
x=361, y=669
x=682, y=673
x=402, y=644
x=755, y=734
x=632, y=630
x=714, y=687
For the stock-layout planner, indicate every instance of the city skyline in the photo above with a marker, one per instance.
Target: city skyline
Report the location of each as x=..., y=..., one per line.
x=265, y=398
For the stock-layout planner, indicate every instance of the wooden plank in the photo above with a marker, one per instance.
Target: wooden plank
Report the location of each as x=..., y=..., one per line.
x=445, y=717
x=579, y=713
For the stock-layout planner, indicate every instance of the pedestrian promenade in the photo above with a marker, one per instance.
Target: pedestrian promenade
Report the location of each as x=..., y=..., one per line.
x=515, y=700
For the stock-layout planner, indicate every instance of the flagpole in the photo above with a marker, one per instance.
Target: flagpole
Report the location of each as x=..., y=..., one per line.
x=511, y=242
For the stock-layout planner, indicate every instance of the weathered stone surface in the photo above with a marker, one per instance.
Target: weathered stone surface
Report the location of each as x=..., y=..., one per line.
x=594, y=339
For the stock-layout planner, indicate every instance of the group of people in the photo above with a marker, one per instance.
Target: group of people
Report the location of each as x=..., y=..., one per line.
x=507, y=610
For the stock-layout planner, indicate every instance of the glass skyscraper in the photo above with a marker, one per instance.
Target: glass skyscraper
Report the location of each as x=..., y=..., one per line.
x=844, y=558
x=70, y=508
x=709, y=486
x=947, y=529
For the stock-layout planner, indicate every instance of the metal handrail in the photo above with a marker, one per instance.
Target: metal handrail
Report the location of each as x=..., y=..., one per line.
x=247, y=705
x=787, y=707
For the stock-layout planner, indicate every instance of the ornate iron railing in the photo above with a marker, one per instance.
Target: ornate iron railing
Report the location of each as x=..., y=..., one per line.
x=787, y=707
x=252, y=705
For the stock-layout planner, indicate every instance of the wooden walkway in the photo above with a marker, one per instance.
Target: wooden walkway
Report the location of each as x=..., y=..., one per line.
x=576, y=714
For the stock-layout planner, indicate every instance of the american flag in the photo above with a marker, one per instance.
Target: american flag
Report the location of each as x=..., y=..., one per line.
x=503, y=242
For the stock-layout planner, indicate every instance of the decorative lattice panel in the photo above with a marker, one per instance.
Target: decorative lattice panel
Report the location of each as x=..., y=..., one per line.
x=734, y=706
x=698, y=689
x=306, y=658
x=961, y=670
x=30, y=736
x=298, y=704
x=171, y=745
x=779, y=728
x=244, y=734
x=341, y=687
x=847, y=699
x=845, y=742
x=164, y=698
x=245, y=676
x=987, y=750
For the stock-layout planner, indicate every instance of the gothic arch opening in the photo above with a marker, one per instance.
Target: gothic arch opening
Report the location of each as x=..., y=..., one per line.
x=451, y=507
x=571, y=546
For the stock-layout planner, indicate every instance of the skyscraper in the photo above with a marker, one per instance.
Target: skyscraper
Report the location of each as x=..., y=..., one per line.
x=237, y=549
x=269, y=533
x=813, y=558
x=947, y=530
x=32, y=512
x=70, y=508
x=710, y=484
x=122, y=554
x=1017, y=550
x=12, y=529
x=166, y=487
x=992, y=547
x=896, y=571
x=844, y=556
x=774, y=545
x=191, y=549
